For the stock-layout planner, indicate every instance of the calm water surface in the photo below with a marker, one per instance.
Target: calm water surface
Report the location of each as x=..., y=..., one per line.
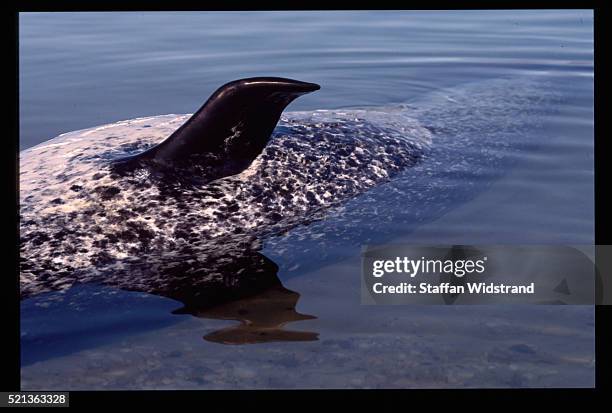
x=82, y=70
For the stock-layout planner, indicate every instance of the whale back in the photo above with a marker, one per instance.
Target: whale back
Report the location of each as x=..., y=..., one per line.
x=82, y=222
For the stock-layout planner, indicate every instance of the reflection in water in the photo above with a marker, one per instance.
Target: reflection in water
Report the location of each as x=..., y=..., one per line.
x=262, y=318
x=250, y=293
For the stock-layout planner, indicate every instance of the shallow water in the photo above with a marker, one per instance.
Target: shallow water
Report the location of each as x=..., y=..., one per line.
x=82, y=70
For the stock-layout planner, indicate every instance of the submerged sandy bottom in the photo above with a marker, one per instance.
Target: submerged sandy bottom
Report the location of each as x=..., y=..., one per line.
x=357, y=347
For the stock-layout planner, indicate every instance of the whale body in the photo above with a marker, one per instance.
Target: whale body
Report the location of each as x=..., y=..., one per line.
x=144, y=205
x=101, y=204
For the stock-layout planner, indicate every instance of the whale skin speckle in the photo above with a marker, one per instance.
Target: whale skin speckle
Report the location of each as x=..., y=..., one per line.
x=81, y=222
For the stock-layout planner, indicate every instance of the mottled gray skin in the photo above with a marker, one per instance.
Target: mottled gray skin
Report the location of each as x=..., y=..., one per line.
x=151, y=232
x=80, y=222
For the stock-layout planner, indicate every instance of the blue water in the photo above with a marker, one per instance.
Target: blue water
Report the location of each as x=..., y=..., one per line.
x=85, y=69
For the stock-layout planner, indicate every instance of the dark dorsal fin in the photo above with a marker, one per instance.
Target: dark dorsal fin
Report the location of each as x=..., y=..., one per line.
x=226, y=134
